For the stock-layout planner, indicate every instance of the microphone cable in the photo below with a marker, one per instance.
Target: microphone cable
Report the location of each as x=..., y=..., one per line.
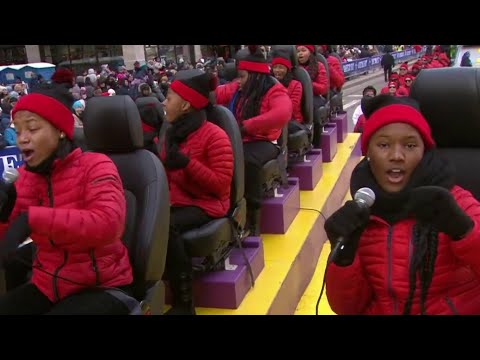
x=329, y=260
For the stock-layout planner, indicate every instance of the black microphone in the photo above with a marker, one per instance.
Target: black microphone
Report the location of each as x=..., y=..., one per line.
x=10, y=175
x=364, y=197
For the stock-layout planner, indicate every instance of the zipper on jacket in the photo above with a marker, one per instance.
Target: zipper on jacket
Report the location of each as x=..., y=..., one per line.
x=35, y=254
x=451, y=305
x=65, y=253
x=55, y=274
x=389, y=275
x=95, y=268
x=50, y=198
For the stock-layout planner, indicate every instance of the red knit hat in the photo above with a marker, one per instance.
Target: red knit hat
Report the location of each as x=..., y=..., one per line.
x=393, y=114
x=193, y=86
x=281, y=57
x=255, y=61
x=311, y=48
x=53, y=102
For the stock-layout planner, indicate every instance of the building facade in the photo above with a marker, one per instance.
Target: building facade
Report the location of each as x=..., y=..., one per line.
x=83, y=57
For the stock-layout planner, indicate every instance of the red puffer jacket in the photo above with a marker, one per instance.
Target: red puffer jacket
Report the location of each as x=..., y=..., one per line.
x=295, y=91
x=77, y=218
x=320, y=83
x=337, y=78
x=205, y=182
x=378, y=280
x=275, y=112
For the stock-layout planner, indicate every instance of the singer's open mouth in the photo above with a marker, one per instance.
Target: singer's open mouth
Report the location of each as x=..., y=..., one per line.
x=395, y=176
x=27, y=155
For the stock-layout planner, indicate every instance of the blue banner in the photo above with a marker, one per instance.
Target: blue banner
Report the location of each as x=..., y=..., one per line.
x=360, y=66
x=10, y=158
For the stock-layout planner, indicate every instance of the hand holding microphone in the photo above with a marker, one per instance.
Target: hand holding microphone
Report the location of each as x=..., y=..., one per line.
x=346, y=225
x=8, y=193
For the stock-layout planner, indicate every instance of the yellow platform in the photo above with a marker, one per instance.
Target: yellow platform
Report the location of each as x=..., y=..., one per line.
x=289, y=265
x=308, y=302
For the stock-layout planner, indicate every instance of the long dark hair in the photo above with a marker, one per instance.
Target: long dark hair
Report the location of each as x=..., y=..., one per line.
x=252, y=94
x=425, y=246
x=312, y=66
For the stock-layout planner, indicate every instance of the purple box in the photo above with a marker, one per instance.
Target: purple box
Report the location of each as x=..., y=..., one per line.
x=277, y=213
x=341, y=121
x=329, y=142
x=309, y=173
x=226, y=289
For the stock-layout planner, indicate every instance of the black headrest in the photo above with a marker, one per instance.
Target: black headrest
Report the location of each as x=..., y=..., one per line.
x=230, y=71
x=241, y=54
x=151, y=101
x=112, y=124
x=290, y=50
x=449, y=99
x=323, y=60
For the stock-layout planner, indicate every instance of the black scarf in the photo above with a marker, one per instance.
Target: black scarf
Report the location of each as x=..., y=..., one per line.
x=433, y=170
x=45, y=168
x=184, y=126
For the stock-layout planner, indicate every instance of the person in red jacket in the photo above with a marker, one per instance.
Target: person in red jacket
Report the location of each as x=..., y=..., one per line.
x=281, y=68
x=72, y=205
x=416, y=250
x=198, y=158
x=317, y=72
x=337, y=78
x=262, y=108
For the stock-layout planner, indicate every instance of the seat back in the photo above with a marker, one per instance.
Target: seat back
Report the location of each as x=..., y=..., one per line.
x=113, y=127
x=151, y=101
x=322, y=59
x=333, y=53
x=230, y=72
x=222, y=117
x=79, y=138
x=300, y=74
x=449, y=98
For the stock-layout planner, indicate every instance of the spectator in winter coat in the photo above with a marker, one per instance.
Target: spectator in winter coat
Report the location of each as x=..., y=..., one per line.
x=72, y=205
x=370, y=92
x=416, y=250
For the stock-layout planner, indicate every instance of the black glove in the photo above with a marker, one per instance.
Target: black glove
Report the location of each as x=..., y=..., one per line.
x=8, y=196
x=347, y=222
x=176, y=160
x=436, y=206
x=18, y=231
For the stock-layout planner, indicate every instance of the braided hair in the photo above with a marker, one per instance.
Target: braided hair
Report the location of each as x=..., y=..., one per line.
x=425, y=246
x=252, y=94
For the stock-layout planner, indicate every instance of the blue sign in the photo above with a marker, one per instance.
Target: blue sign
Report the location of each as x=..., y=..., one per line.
x=360, y=66
x=11, y=157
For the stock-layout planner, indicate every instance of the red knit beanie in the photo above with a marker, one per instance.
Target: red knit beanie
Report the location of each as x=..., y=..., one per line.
x=255, y=61
x=311, y=48
x=194, y=86
x=53, y=102
x=394, y=114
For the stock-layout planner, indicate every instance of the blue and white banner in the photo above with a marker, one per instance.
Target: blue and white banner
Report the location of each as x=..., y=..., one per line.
x=360, y=66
